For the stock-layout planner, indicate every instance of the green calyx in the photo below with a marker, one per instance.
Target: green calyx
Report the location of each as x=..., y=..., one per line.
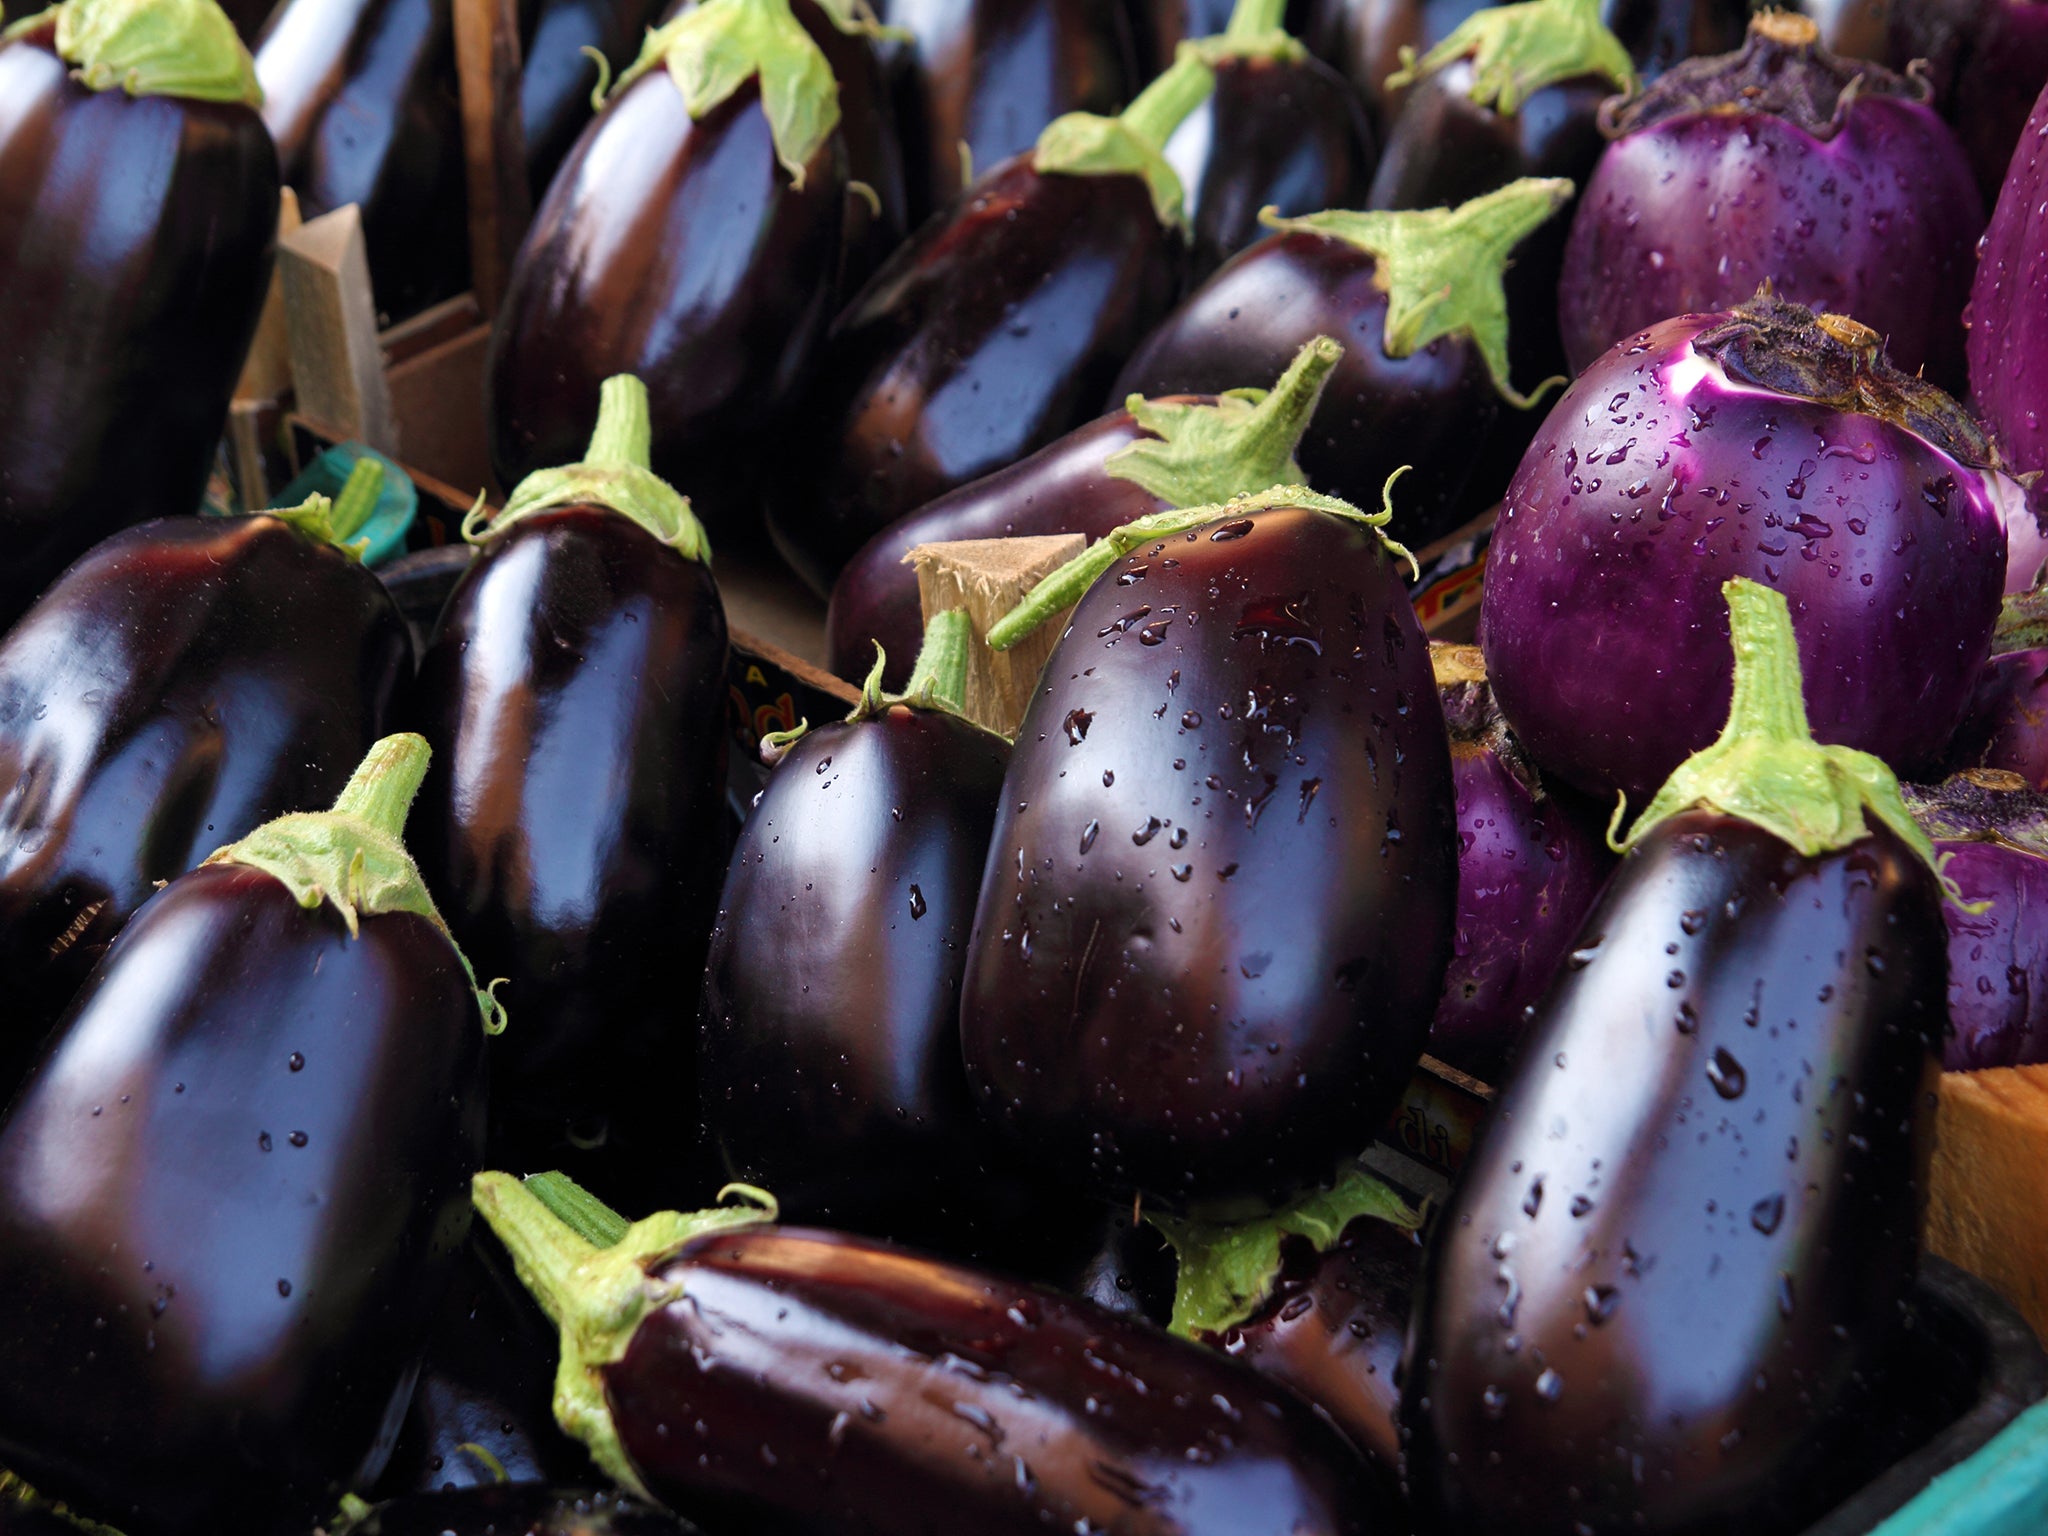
x=1517, y=50
x=713, y=49
x=1134, y=143
x=184, y=48
x=337, y=522
x=1065, y=586
x=598, y=1295
x=1199, y=454
x=1441, y=268
x=353, y=856
x=1767, y=769
x=1256, y=31
x=615, y=474
x=1227, y=1269
x=938, y=678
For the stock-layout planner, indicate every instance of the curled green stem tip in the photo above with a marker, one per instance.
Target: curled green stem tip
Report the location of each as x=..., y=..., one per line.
x=938, y=678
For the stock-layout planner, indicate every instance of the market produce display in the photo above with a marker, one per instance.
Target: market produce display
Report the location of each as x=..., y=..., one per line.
x=1120, y=767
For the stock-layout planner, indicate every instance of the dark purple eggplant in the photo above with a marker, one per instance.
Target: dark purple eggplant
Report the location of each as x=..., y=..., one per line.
x=2005, y=726
x=846, y=1386
x=1422, y=375
x=1179, y=983
x=182, y=683
x=557, y=77
x=518, y=1509
x=1529, y=869
x=362, y=99
x=574, y=824
x=1769, y=443
x=1670, y=1282
x=992, y=332
x=1830, y=178
x=979, y=80
x=2006, y=313
x=829, y=1054
x=693, y=242
x=1282, y=130
x=1149, y=457
x=232, y=1189
x=1988, y=61
x=138, y=206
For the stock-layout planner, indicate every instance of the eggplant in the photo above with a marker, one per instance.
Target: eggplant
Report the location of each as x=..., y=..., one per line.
x=2005, y=313
x=1673, y=1276
x=557, y=76
x=362, y=99
x=706, y=270
x=1177, y=982
x=1762, y=442
x=1149, y=457
x=1160, y=26
x=1423, y=374
x=138, y=206
x=992, y=332
x=518, y=1509
x=231, y=1190
x=829, y=1051
x=1281, y=130
x=164, y=696
x=574, y=825
x=1987, y=61
x=979, y=80
x=1832, y=179
x=1528, y=871
x=909, y=1394
x=2005, y=725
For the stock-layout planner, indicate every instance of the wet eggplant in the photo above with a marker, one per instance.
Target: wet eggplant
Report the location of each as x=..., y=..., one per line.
x=1218, y=903
x=845, y=1386
x=362, y=99
x=1674, y=1273
x=167, y=696
x=1422, y=375
x=574, y=822
x=518, y=1509
x=138, y=206
x=993, y=331
x=230, y=1192
x=1197, y=450
x=692, y=238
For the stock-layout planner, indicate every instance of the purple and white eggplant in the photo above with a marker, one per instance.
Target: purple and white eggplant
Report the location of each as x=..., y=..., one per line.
x=1762, y=442
x=1831, y=178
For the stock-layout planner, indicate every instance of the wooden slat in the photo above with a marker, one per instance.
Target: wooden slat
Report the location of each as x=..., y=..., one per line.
x=1987, y=1205
x=331, y=319
x=493, y=142
x=987, y=578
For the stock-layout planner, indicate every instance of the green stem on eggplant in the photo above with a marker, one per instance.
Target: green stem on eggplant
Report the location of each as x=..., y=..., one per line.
x=1257, y=30
x=586, y=1215
x=1134, y=143
x=938, y=678
x=1517, y=50
x=337, y=522
x=182, y=48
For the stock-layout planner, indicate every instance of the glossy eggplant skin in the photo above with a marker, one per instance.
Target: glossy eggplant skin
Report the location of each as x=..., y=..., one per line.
x=361, y=97
x=993, y=331
x=1430, y=409
x=829, y=1058
x=1218, y=902
x=919, y=1396
x=679, y=251
x=556, y=79
x=158, y=703
x=572, y=829
x=1275, y=133
x=517, y=1509
x=1062, y=488
x=228, y=1198
x=991, y=74
x=127, y=300
x=1675, y=1269
x=1989, y=60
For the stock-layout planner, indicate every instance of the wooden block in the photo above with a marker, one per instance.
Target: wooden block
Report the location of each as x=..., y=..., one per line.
x=989, y=577
x=331, y=319
x=267, y=372
x=438, y=396
x=493, y=142
x=1987, y=1208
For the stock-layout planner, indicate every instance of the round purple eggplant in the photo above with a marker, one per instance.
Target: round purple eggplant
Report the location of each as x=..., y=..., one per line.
x=162, y=698
x=1528, y=871
x=1990, y=830
x=992, y=332
x=1669, y=1284
x=232, y=1190
x=1987, y=61
x=1282, y=130
x=2007, y=316
x=1830, y=178
x=138, y=205
x=2005, y=726
x=517, y=1509
x=574, y=825
x=1423, y=373
x=979, y=81
x=556, y=78
x=694, y=243
x=362, y=99
x=1097, y=478
x=1219, y=896
x=847, y=1386
x=1766, y=443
